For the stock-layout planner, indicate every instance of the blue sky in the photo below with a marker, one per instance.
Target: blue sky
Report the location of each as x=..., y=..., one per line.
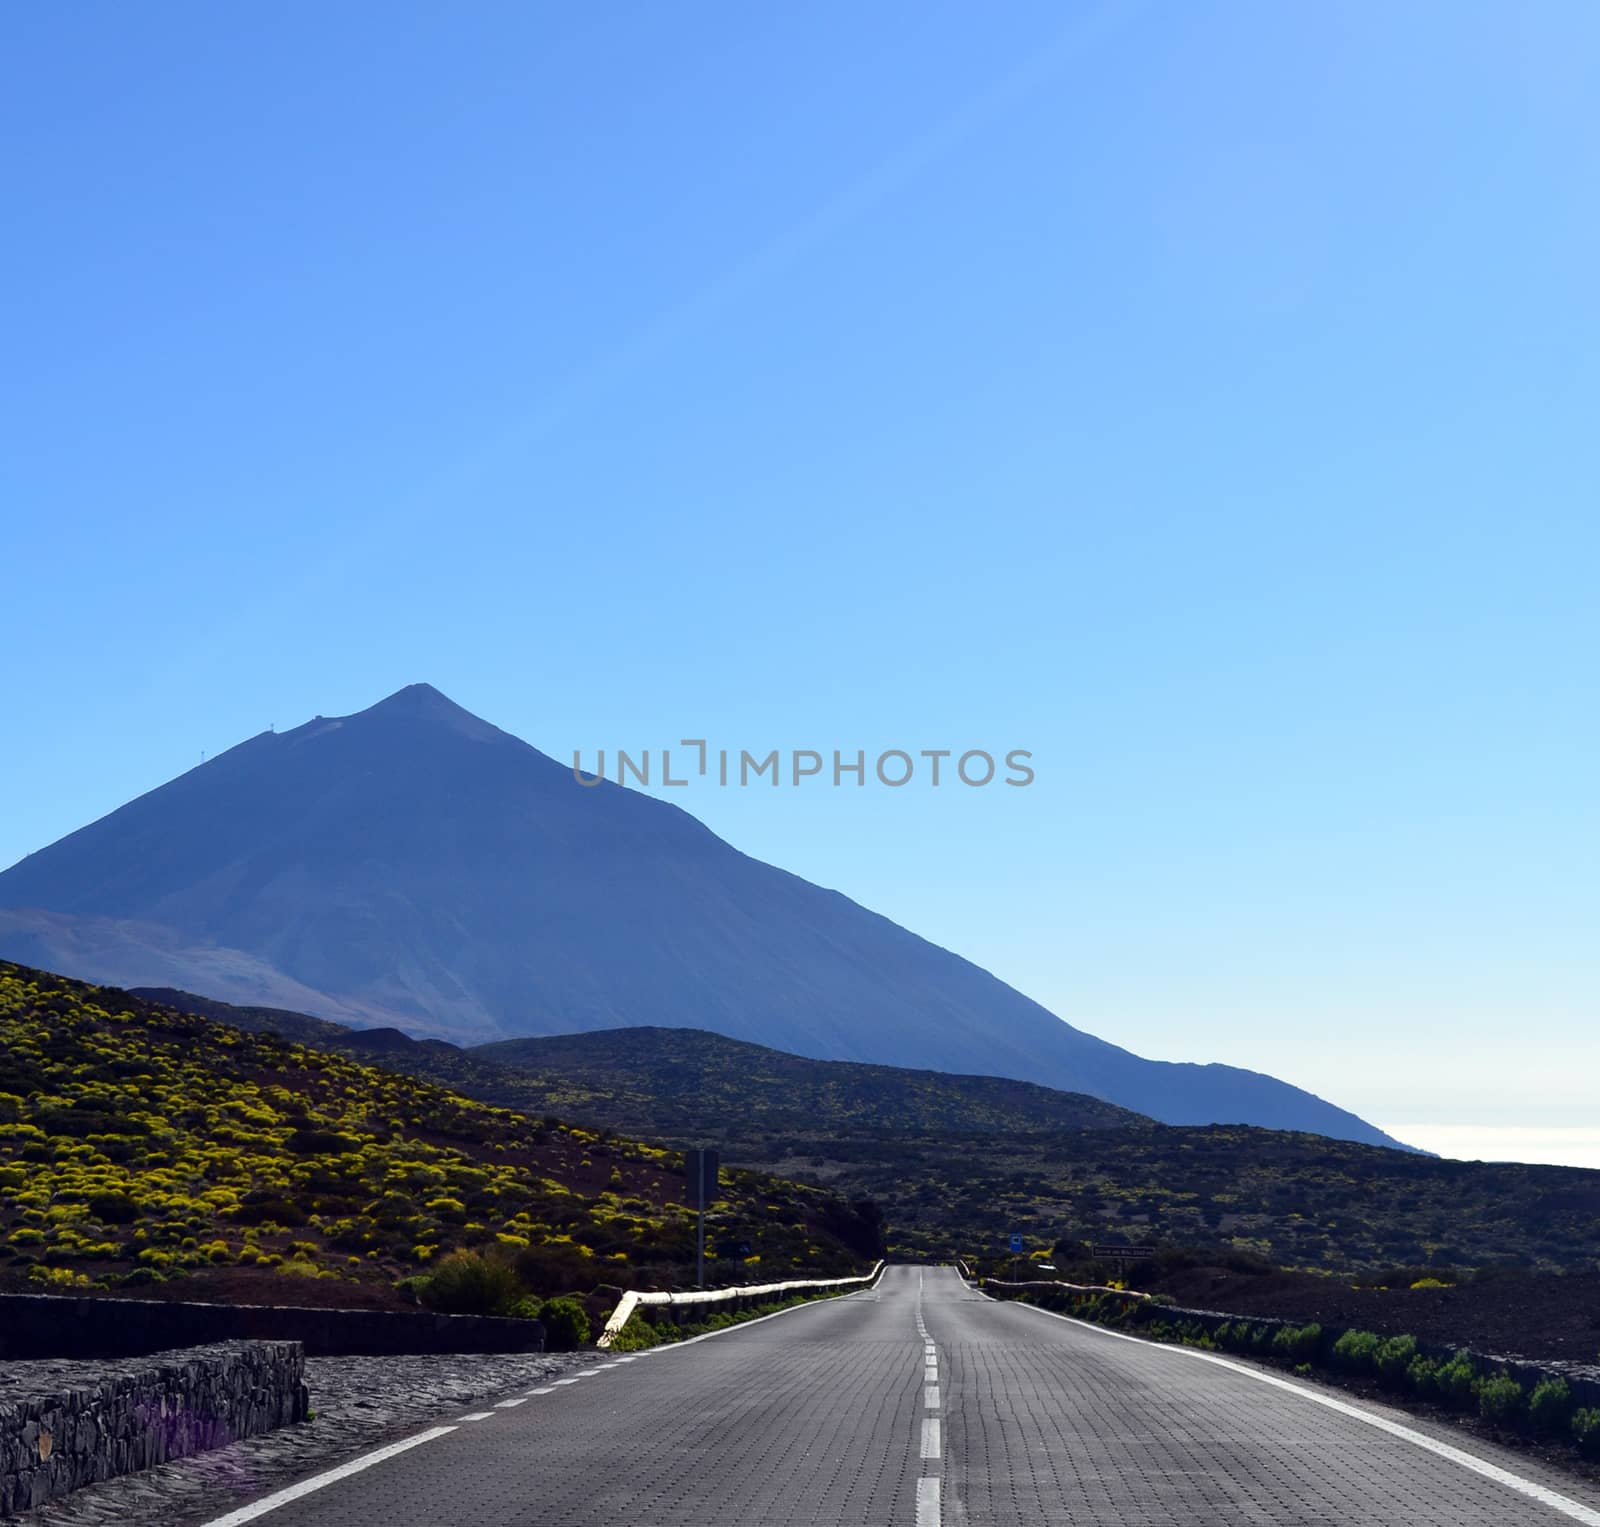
x=1200, y=397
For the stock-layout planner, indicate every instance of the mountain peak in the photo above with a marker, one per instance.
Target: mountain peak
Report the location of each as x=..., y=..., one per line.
x=423, y=703
x=415, y=865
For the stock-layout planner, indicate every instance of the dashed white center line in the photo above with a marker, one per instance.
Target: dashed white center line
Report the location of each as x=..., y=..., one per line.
x=559, y=1382
x=548, y=1389
x=521, y=1399
x=930, y=1397
x=930, y=1437
x=478, y=1415
x=928, y=1502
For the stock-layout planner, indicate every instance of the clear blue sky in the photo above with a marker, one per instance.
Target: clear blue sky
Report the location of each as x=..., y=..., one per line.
x=1202, y=397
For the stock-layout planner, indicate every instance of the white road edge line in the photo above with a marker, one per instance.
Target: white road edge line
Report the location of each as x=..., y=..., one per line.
x=928, y=1502
x=511, y=1404
x=1568, y=1507
x=930, y=1437
x=318, y=1481
x=479, y=1415
x=356, y=1465
x=744, y=1325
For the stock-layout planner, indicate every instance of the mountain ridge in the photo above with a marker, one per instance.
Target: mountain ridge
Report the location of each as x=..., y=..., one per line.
x=671, y=1077
x=415, y=866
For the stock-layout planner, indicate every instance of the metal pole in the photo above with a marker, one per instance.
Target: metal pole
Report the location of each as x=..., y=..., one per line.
x=700, y=1238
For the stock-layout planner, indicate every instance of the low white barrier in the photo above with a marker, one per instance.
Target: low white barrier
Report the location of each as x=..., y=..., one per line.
x=1072, y=1288
x=631, y=1301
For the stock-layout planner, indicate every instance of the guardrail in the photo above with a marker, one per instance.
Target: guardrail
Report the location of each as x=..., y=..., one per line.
x=632, y=1300
x=1073, y=1288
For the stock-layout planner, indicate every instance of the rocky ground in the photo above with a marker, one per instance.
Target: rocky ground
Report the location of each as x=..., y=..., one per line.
x=358, y=1403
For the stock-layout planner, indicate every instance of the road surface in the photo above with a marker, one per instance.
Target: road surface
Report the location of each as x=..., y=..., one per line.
x=922, y=1403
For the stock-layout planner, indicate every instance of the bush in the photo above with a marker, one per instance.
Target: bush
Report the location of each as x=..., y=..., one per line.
x=470, y=1283
x=1456, y=1382
x=1586, y=1431
x=1422, y=1375
x=1393, y=1359
x=1550, y=1406
x=1297, y=1343
x=1356, y=1352
x=566, y=1324
x=1499, y=1398
x=113, y=1208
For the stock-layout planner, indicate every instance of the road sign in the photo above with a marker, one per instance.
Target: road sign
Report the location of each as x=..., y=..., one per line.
x=701, y=1169
x=1123, y=1253
x=1016, y=1245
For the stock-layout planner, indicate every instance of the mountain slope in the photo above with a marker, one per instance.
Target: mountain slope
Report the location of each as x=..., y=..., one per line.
x=958, y=1163
x=414, y=865
x=139, y=1144
x=686, y=1084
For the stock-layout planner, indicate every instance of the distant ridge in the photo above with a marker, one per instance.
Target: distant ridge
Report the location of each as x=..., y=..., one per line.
x=414, y=866
x=688, y=1081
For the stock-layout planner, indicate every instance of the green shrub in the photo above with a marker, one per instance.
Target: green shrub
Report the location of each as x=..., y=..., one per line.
x=1585, y=1428
x=1550, y=1406
x=566, y=1324
x=1297, y=1344
x=113, y=1208
x=1456, y=1382
x=1393, y=1359
x=1499, y=1398
x=470, y=1283
x=1422, y=1375
x=1356, y=1351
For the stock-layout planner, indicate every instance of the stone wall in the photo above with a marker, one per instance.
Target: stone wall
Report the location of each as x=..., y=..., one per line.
x=65, y=1424
x=57, y=1326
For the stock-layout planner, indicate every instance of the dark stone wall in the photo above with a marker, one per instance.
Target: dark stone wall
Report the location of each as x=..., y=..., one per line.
x=63, y=1425
x=52, y=1325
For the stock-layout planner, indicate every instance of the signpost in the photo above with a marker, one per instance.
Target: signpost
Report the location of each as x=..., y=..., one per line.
x=1016, y=1251
x=1122, y=1255
x=701, y=1168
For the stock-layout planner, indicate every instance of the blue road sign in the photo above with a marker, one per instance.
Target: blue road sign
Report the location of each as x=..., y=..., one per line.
x=1016, y=1245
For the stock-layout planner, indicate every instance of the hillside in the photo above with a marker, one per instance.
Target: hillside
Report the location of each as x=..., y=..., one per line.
x=686, y=1082
x=957, y=1163
x=414, y=866
x=140, y=1145
x=1298, y=1200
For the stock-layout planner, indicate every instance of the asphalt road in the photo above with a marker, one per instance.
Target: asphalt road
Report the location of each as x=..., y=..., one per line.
x=922, y=1403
